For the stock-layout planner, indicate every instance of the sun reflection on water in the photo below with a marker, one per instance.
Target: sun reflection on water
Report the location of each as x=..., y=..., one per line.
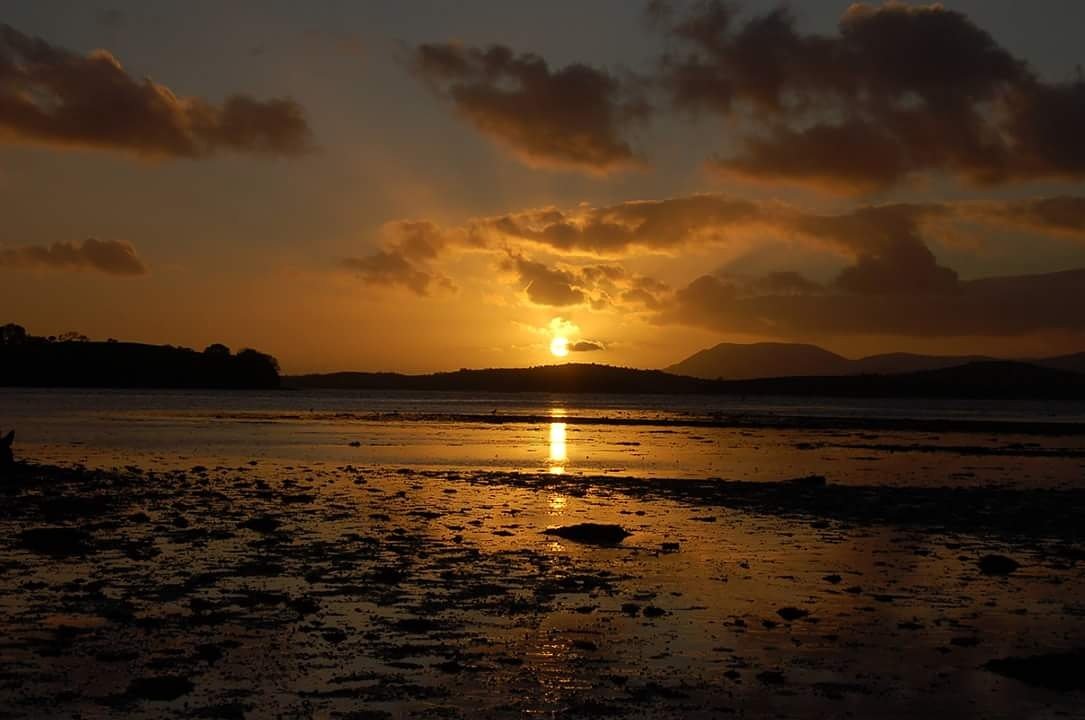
x=558, y=452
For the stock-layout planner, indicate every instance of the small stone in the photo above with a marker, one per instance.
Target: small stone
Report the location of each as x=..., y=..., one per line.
x=998, y=565
x=792, y=613
x=160, y=689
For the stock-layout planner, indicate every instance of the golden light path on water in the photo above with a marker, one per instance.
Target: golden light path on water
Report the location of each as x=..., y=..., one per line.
x=558, y=453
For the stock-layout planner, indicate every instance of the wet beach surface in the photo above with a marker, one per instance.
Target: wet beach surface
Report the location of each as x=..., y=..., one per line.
x=272, y=589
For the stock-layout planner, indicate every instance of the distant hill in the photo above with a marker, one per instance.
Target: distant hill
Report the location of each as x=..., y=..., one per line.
x=1074, y=363
x=760, y=360
x=570, y=378
x=729, y=361
x=989, y=379
x=36, y=362
x=1000, y=379
x=891, y=363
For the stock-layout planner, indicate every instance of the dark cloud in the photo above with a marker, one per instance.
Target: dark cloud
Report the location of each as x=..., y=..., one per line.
x=898, y=91
x=586, y=346
x=1000, y=306
x=409, y=248
x=547, y=286
x=51, y=96
x=885, y=250
x=574, y=117
x=1062, y=215
x=655, y=225
x=783, y=282
x=390, y=268
x=645, y=292
x=107, y=256
x=890, y=253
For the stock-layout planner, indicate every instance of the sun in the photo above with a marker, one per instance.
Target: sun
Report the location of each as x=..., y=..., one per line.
x=559, y=347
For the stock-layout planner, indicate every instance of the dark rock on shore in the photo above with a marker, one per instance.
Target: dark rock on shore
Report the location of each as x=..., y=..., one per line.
x=162, y=689
x=1056, y=671
x=792, y=613
x=591, y=533
x=998, y=565
x=265, y=524
x=56, y=541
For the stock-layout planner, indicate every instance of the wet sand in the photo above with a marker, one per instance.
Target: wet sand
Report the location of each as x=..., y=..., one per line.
x=333, y=590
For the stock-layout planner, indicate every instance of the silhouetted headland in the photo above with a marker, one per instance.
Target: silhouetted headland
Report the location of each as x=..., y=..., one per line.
x=992, y=379
x=74, y=361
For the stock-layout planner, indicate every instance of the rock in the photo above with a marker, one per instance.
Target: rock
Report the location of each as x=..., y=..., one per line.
x=834, y=579
x=591, y=533
x=771, y=677
x=265, y=524
x=452, y=667
x=792, y=613
x=670, y=547
x=161, y=689
x=56, y=541
x=387, y=576
x=653, y=611
x=1056, y=671
x=998, y=565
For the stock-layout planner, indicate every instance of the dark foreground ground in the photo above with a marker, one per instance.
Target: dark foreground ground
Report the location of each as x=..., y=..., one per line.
x=349, y=592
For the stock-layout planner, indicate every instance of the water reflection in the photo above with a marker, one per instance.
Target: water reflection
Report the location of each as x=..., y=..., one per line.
x=558, y=453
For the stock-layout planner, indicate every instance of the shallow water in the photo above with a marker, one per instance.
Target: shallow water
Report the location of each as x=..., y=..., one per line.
x=383, y=556
x=641, y=436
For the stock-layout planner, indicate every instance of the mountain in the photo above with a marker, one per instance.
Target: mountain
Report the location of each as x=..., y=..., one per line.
x=1074, y=363
x=759, y=360
x=728, y=361
x=986, y=379
x=890, y=363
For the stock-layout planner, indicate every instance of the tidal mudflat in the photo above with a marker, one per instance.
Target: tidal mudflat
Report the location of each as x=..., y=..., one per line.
x=264, y=589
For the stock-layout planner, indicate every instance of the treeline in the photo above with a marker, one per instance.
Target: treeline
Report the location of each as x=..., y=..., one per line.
x=72, y=360
x=994, y=379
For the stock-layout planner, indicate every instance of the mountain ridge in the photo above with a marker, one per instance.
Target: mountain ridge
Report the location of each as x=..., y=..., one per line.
x=735, y=361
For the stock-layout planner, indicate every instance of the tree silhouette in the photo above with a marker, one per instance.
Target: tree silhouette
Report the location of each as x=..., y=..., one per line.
x=12, y=334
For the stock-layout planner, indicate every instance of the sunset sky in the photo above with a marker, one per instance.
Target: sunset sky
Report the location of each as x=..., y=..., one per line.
x=422, y=186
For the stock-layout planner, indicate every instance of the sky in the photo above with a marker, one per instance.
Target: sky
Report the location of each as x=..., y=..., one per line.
x=421, y=186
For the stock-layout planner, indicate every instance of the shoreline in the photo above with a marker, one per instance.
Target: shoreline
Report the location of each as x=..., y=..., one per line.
x=255, y=590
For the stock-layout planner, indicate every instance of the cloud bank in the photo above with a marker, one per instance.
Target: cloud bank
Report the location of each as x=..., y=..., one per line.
x=55, y=97
x=569, y=118
x=898, y=91
x=890, y=282
x=106, y=256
